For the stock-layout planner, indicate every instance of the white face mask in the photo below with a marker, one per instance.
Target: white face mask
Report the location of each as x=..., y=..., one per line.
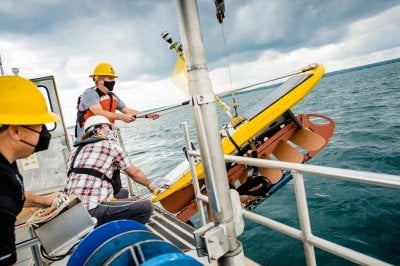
x=111, y=135
x=106, y=131
x=109, y=132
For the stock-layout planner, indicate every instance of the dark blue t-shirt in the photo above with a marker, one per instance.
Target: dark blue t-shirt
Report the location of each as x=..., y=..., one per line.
x=11, y=203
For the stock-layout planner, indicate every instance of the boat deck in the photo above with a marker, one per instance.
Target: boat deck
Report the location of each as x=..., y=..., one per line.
x=167, y=227
x=161, y=223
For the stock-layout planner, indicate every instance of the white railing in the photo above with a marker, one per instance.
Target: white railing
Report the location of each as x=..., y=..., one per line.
x=305, y=233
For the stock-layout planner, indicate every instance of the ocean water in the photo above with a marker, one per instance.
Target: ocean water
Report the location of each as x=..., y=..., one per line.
x=365, y=104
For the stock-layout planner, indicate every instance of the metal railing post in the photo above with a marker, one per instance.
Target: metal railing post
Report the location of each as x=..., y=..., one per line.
x=35, y=249
x=195, y=180
x=305, y=225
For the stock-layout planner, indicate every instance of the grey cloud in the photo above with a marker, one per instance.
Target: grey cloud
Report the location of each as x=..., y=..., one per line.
x=288, y=25
x=127, y=32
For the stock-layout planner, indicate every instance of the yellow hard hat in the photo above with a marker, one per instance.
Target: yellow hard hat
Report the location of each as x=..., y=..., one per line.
x=22, y=103
x=103, y=69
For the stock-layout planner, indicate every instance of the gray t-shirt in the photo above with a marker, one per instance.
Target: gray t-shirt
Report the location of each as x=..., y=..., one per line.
x=89, y=98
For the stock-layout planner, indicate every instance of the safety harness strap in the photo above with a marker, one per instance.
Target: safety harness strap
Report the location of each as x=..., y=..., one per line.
x=83, y=170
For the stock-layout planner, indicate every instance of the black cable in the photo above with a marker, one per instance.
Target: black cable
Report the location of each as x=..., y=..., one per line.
x=57, y=257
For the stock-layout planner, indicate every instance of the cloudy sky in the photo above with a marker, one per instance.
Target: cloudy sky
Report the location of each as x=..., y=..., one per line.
x=262, y=39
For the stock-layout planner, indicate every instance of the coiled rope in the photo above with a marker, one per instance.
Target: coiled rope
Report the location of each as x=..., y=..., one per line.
x=46, y=214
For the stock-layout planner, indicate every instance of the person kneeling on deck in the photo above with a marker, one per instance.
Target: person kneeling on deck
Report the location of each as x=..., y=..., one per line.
x=90, y=169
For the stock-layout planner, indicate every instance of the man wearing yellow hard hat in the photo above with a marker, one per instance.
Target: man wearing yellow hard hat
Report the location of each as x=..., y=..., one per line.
x=23, y=115
x=101, y=100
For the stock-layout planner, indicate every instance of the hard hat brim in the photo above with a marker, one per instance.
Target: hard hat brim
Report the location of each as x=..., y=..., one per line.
x=93, y=75
x=34, y=120
x=96, y=120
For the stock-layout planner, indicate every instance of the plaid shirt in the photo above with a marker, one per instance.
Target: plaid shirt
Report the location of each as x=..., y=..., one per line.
x=104, y=156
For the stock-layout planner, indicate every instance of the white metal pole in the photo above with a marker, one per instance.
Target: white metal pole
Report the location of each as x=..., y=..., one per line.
x=195, y=180
x=304, y=217
x=205, y=116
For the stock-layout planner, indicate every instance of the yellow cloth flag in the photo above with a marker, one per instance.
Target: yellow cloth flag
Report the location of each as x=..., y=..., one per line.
x=180, y=76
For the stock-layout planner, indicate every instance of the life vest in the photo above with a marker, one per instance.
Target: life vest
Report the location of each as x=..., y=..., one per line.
x=108, y=102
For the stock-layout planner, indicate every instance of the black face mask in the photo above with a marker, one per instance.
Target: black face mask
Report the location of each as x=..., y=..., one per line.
x=109, y=85
x=44, y=139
